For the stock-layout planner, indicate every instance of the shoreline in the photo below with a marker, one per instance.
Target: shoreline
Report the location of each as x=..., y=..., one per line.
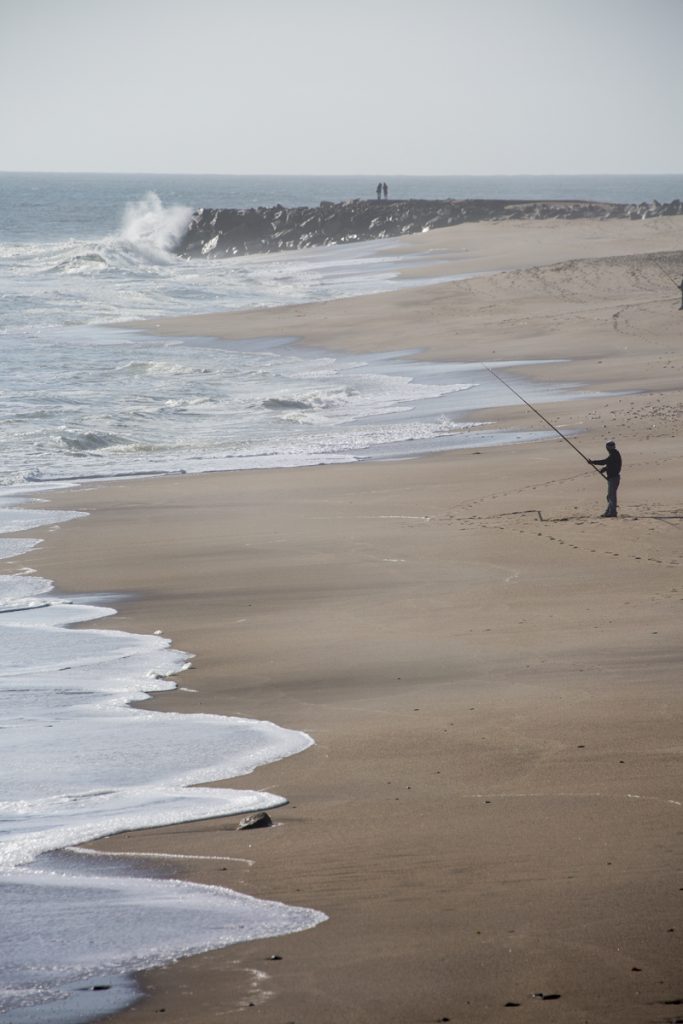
x=510, y=249
x=358, y=572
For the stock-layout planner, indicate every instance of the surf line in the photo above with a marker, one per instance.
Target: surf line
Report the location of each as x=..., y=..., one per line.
x=540, y=414
x=133, y=854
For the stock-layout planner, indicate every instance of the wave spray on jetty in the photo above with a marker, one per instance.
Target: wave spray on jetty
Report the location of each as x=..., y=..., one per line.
x=153, y=228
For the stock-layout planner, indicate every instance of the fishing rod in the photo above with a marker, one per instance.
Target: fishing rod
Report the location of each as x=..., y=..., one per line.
x=540, y=414
x=666, y=273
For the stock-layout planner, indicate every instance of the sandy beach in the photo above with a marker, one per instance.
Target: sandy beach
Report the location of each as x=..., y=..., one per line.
x=491, y=813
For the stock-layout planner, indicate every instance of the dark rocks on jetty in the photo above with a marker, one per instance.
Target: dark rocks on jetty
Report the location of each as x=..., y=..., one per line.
x=219, y=233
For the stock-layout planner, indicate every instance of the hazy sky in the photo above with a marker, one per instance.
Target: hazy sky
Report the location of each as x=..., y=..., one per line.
x=342, y=86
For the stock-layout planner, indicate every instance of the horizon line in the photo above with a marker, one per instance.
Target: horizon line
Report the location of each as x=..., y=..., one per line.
x=360, y=174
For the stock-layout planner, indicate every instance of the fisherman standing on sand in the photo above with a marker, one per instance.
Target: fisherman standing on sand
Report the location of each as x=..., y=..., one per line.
x=680, y=288
x=612, y=471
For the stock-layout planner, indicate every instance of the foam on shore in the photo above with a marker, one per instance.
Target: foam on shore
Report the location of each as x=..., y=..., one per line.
x=80, y=763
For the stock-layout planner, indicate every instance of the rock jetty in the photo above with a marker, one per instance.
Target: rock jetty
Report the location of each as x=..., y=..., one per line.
x=218, y=233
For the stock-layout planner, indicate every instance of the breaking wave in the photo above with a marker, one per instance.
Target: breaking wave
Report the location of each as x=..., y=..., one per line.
x=130, y=272
x=285, y=403
x=92, y=440
x=152, y=228
x=332, y=399
x=148, y=232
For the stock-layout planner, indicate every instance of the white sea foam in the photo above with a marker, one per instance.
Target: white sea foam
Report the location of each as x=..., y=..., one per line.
x=71, y=929
x=80, y=763
x=108, y=402
x=153, y=228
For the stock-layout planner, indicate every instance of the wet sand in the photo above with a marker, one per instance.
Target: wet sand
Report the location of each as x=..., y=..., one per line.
x=491, y=814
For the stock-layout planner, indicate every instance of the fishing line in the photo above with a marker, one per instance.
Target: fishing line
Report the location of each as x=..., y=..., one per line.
x=665, y=272
x=540, y=414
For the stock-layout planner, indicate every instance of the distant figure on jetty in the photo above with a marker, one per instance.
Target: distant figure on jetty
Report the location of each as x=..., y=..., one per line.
x=612, y=471
x=385, y=190
x=379, y=190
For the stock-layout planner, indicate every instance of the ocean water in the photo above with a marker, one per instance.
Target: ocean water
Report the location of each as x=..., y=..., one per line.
x=81, y=398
